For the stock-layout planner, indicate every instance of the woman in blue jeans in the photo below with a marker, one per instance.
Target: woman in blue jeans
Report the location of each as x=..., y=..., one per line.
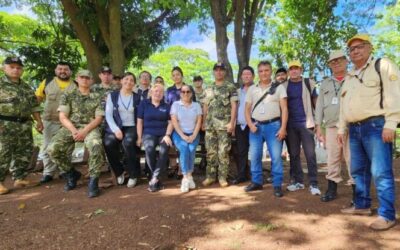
x=154, y=129
x=186, y=119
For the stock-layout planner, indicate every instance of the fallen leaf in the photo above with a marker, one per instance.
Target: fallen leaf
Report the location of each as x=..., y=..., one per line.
x=144, y=217
x=89, y=215
x=99, y=211
x=237, y=227
x=166, y=226
x=143, y=244
x=46, y=207
x=183, y=216
x=21, y=206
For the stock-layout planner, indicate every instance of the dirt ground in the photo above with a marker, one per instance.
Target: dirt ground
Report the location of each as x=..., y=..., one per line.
x=45, y=217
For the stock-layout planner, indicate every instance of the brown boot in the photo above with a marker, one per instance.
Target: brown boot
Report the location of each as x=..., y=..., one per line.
x=223, y=182
x=356, y=211
x=381, y=224
x=208, y=181
x=3, y=189
x=25, y=183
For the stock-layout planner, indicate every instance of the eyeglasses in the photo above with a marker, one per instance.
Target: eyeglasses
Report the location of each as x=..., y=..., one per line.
x=186, y=92
x=358, y=47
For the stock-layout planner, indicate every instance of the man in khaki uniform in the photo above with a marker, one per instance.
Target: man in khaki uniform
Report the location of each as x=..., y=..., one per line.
x=370, y=109
x=220, y=107
x=50, y=91
x=327, y=113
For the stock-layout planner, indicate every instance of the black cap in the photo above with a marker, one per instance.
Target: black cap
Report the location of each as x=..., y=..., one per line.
x=105, y=69
x=13, y=59
x=281, y=70
x=219, y=65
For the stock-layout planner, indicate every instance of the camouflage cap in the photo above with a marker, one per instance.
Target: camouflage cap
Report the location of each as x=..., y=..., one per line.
x=13, y=59
x=219, y=65
x=84, y=72
x=105, y=69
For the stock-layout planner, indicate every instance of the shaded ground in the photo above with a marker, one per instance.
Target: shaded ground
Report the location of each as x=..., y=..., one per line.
x=207, y=218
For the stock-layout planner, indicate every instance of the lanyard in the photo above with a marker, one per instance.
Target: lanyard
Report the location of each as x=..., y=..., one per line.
x=362, y=71
x=336, y=89
x=129, y=103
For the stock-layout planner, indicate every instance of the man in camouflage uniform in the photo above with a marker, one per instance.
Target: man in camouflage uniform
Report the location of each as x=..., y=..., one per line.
x=17, y=104
x=220, y=107
x=80, y=114
x=199, y=93
x=105, y=86
x=50, y=91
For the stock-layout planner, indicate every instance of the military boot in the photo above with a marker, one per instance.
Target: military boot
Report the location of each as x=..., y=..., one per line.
x=208, y=181
x=331, y=193
x=3, y=189
x=93, y=187
x=25, y=183
x=71, y=180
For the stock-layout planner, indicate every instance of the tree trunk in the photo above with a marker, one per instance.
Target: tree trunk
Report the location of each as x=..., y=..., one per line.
x=93, y=55
x=221, y=22
x=116, y=47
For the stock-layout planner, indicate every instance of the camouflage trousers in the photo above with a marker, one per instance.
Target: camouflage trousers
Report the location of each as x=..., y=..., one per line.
x=218, y=145
x=16, y=146
x=62, y=145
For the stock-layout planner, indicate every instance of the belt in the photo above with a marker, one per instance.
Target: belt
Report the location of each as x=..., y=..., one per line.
x=268, y=121
x=14, y=118
x=371, y=118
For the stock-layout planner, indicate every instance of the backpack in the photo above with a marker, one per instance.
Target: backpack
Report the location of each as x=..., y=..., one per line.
x=378, y=70
x=308, y=85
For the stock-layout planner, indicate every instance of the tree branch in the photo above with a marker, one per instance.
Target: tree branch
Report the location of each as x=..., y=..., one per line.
x=103, y=20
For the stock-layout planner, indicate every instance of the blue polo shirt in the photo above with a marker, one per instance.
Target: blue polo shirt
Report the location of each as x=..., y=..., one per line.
x=297, y=115
x=174, y=94
x=155, y=119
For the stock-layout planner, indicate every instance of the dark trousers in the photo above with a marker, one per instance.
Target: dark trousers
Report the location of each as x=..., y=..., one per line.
x=157, y=166
x=242, y=155
x=297, y=137
x=113, y=146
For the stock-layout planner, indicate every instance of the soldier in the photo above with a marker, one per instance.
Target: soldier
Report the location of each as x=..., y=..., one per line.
x=370, y=109
x=327, y=113
x=198, y=88
x=105, y=86
x=81, y=114
x=220, y=107
x=50, y=91
x=17, y=104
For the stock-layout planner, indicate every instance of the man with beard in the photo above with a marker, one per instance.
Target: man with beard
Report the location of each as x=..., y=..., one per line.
x=50, y=91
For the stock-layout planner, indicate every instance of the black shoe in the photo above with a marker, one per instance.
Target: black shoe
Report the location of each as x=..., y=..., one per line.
x=93, y=187
x=77, y=174
x=278, y=192
x=238, y=181
x=353, y=200
x=155, y=187
x=253, y=187
x=331, y=193
x=46, y=178
x=71, y=181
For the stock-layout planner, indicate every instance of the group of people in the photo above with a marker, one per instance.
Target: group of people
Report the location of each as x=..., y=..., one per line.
x=355, y=114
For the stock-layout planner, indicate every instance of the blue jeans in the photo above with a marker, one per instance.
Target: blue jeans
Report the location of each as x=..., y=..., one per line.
x=266, y=133
x=187, y=152
x=370, y=156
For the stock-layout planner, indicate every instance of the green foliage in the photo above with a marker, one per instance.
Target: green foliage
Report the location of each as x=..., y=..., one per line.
x=304, y=30
x=192, y=61
x=387, y=40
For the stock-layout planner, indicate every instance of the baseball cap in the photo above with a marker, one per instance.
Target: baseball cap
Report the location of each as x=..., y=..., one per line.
x=13, y=59
x=219, y=65
x=336, y=54
x=295, y=63
x=84, y=72
x=362, y=37
x=105, y=69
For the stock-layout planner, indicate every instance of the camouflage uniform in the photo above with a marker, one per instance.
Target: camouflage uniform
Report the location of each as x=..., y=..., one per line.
x=218, y=141
x=103, y=92
x=16, y=141
x=81, y=110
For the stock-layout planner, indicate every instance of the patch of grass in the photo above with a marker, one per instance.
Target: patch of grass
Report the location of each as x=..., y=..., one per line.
x=266, y=227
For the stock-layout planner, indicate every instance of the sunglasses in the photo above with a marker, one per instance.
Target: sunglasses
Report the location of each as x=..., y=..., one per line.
x=186, y=92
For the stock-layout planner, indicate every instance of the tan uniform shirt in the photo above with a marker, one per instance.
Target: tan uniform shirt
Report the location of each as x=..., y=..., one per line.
x=269, y=108
x=360, y=99
x=327, y=108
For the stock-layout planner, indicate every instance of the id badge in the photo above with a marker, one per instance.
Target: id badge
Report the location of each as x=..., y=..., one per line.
x=335, y=101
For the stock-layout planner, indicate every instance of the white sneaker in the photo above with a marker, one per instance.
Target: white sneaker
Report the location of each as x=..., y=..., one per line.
x=295, y=186
x=131, y=182
x=121, y=179
x=192, y=184
x=314, y=190
x=185, y=185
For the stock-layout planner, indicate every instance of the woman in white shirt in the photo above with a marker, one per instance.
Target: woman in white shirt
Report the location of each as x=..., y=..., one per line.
x=121, y=130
